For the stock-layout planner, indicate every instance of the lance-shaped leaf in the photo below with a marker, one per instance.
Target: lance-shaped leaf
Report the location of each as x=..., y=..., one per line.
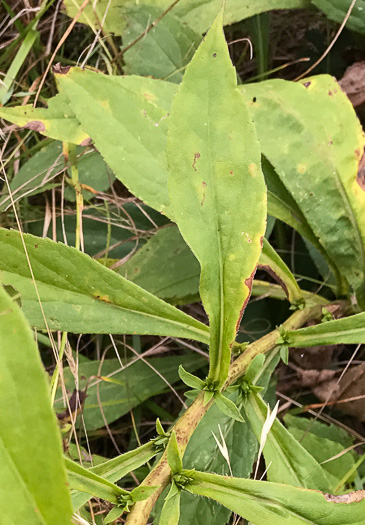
x=263, y=502
x=173, y=454
x=80, y=295
x=319, y=162
x=217, y=190
x=287, y=461
x=349, y=330
x=85, y=480
x=275, y=266
x=116, y=468
x=128, y=128
x=32, y=473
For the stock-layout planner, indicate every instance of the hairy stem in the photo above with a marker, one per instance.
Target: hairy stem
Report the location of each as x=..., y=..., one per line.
x=187, y=423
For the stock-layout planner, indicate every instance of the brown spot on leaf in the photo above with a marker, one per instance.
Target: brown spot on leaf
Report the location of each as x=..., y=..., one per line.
x=35, y=125
x=104, y=298
x=306, y=84
x=330, y=93
x=196, y=157
x=248, y=283
x=61, y=70
x=214, y=55
x=361, y=173
x=231, y=172
x=351, y=497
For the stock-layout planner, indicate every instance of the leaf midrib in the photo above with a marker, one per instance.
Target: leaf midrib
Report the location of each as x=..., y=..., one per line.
x=217, y=372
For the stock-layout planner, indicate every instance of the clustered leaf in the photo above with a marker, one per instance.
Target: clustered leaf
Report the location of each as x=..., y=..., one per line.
x=160, y=442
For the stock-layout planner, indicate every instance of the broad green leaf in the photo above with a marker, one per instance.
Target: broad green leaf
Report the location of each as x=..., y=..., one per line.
x=170, y=513
x=57, y=121
x=337, y=10
x=87, y=481
x=117, y=468
x=275, y=266
x=166, y=267
x=173, y=454
x=217, y=190
x=323, y=443
x=164, y=51
x=128, y=128
x=198, y=14
x=349, y=330
x=32, y=473
x=126, y=388
x=263, y=502
x=287, y=461
x=318, y=162
x=80, y=295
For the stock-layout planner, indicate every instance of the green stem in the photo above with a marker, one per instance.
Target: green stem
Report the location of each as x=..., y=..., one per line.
x=56, y=373
x=187, y=423
x=69, y=152
x=79, y=199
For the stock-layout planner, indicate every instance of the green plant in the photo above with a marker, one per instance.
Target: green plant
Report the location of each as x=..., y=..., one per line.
x=193, y=153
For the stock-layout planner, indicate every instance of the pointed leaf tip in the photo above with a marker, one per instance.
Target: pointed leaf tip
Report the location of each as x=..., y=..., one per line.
x=217, y=190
